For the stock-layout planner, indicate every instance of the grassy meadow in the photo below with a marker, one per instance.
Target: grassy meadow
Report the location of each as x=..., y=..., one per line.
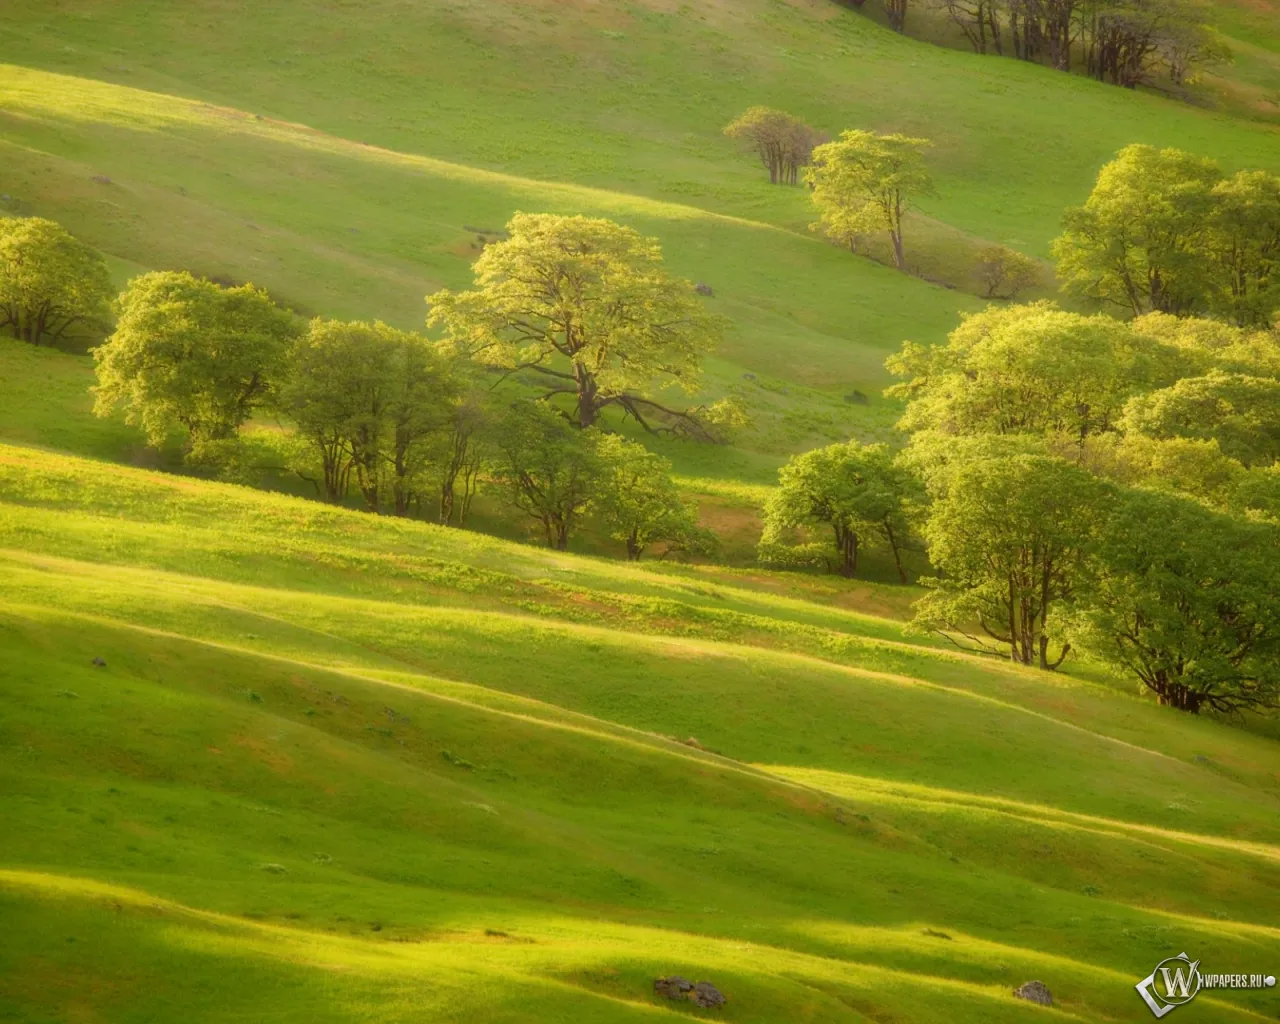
x=336, y=765
x=268, y=759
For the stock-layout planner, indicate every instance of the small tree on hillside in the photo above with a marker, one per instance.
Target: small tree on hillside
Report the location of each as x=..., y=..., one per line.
x=50, y=283
x=1188, y=601
x=587, y=304
x=1005, y=272
x=865, y=182
x=1010, y=537
x=186, y=352
x=638, y=500
x=857, y=491
x=896, y=13
x=551, y=471
x=783, y=143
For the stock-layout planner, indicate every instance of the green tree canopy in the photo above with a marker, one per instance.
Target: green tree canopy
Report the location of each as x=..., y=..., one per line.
x=1187, y=600
x=864, y=182
x=638, y=501
x=1032, y=369
x=1140, y=240
x=858, y=491
x=589, y=305
x=1010, y=538
x=1244, y=238
x=552, y=471
x=187, y=352
x=1205, y=344
x=1240, y=413
x=1005, y=272
x=50, y=282
x=370, y=401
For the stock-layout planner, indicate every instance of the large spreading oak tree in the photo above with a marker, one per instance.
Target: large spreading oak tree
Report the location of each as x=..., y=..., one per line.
x=588, y=305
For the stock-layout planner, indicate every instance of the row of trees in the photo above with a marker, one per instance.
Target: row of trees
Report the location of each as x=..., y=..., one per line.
x=584, y=305
x=1162, y=230
x=1125, y=42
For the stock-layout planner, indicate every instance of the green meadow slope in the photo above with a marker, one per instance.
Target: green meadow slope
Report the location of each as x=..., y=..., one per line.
x=348, y=156
x=266, y=759
x=337, y=767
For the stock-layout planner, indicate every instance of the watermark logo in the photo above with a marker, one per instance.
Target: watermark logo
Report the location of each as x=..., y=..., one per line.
x=1177, y=980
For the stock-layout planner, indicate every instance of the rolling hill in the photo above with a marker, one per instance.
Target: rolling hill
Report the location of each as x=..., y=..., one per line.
x=269, y=759
x=266, y=759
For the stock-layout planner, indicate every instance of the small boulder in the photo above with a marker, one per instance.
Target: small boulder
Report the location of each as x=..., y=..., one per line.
x=1034, y=992
x=748, y=376
x=100, y=179
x=702, y=288
x=674, y=987
x=707, y=995
x=99, y=663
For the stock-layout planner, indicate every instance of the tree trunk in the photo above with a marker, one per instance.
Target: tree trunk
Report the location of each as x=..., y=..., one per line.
x=897, y=553
x=847, y=544
x=588, y=396
x=633, y=546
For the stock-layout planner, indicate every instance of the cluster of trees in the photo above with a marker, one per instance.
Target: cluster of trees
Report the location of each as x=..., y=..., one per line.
x=784, y=143
x=1126, y=42
x=1167, y=231
x=1105, y=485
x=51, y=284
x=1079, y=483
x=408, y=422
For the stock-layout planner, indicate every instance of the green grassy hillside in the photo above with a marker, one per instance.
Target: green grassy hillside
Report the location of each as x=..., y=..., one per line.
x=337, y=767
x=349, y=161
x=267, y=759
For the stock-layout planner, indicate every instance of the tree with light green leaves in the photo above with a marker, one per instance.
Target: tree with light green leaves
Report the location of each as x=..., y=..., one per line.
x=638, y=501
x=1005, y=272
x=1244, y=241
x=1010, y=537
x=1239, y=412
x=1187, y=600
x=864, y=182
x=371, y=402
x=51, y=284
x=188, y=353
x=1141, y=240
x=551, y=470
x=856, y=491
x=588, y=307
x=1205, y=345
x=1031, y=369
